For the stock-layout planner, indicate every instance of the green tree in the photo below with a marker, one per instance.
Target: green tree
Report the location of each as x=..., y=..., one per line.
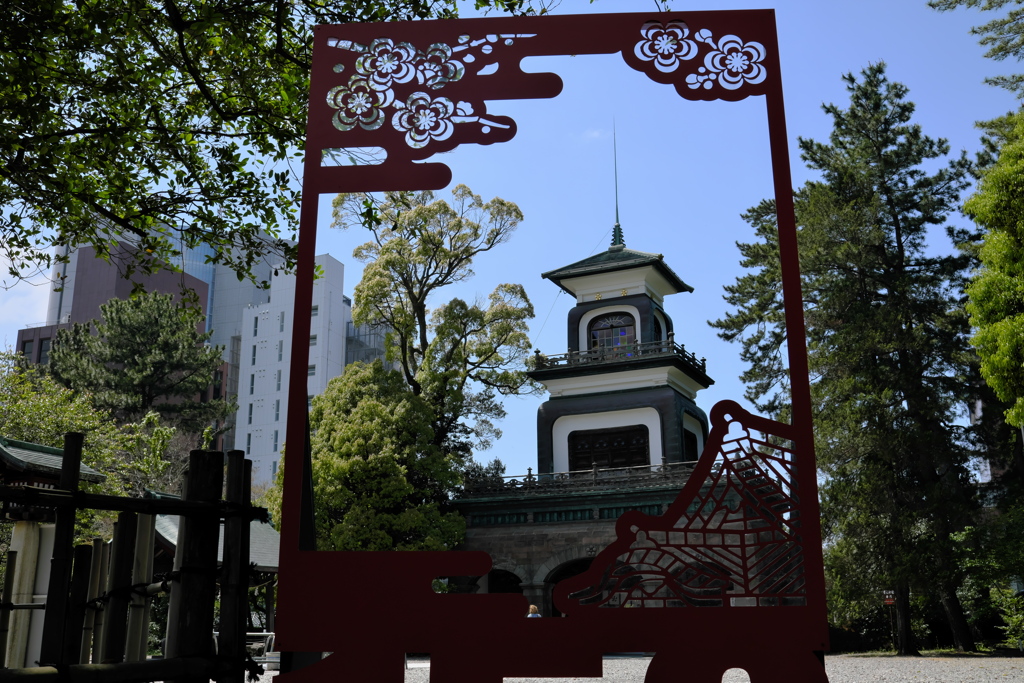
x=168, y=124
x=887, y=346
x=458, y=357
x=38, y=410
x=1004, y=36
x=996, y=293
x=147, y=355
x=380, y=481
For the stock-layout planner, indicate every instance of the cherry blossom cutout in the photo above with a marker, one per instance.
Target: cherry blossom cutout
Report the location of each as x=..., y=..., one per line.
x=383, y=64
x=731, y=63
x=665, y=45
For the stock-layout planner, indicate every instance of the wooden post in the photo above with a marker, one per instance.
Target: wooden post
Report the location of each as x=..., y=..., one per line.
x=142, y=563
x=234, y=598
x=94, y=592
x=151, y=558
x=52, y=649
x=101, y=612
x=76, y=606
x=191, y=635
x=115, y=621
x=5, y=614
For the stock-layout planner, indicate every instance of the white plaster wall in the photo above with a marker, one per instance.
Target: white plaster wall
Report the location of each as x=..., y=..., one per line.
x=690, y=423
x=616, y=418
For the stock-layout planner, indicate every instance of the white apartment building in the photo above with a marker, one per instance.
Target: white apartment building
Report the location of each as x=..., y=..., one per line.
x=265, y=355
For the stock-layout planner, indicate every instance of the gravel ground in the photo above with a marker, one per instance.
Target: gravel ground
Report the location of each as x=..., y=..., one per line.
x=840, y=668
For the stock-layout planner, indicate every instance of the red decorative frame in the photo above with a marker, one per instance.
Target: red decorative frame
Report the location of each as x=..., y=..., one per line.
x=731, y=575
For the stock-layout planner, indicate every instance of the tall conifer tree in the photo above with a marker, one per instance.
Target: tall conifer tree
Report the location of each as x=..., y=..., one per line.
x=887, y=344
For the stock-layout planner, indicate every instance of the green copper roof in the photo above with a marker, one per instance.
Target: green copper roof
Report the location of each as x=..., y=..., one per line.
x=616, y=258
x=22, y=456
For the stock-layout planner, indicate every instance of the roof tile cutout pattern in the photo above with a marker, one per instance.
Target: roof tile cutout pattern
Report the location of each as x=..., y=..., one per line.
x=731, y=539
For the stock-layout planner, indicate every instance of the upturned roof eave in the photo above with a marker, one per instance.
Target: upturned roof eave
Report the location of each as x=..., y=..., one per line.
x=604, y=263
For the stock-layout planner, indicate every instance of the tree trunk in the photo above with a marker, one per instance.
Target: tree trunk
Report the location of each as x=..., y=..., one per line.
x=905, y=642
x=962, y=637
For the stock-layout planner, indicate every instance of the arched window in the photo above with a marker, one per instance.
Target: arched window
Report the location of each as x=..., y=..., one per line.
x=612, y=331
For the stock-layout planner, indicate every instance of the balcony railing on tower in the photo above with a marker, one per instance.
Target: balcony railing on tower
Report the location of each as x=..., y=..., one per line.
x=618, y=354
x=596, y=479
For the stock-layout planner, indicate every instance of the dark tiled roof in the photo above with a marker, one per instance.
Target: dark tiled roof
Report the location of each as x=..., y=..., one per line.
x=612, y=260
x=264, y=541
x=22, y=456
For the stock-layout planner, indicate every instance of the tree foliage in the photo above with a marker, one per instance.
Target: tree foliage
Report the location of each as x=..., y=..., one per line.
x=165, y=124
x=887, y=347
x=147, y=355
x=380, y=481
x=459, y=356
x=1004, y=36
x=36, y=409
x=996, y=292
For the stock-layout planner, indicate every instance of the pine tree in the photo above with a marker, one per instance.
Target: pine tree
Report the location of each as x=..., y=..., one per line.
x=147, y=355
x=887, y=345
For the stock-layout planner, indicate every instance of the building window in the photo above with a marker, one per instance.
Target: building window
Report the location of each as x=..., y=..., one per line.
x=277, y=410
x=273, y=469
x=248, y=444
x=44, y=351
x=280, y=350
x=252, y=384
x=311, y=370
x=254, y=354
x=250, y=413
x=314, y=312
x=615, y=447
x=279, y=380
x=256, y=325
x=612, y=332
x=280, y=321
x=312, y=340
x=275, y=441
x=27, y=347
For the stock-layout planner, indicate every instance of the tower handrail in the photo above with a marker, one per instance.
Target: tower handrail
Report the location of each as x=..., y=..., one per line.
x=618, y=354
x=638, y=476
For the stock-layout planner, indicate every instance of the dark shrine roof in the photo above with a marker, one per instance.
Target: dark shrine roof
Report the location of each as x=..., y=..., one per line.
x=22, y=456
x=264, y=540
x=616, y=258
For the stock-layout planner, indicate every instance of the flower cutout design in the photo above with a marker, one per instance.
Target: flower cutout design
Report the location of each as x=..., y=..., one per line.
x=358, y=103
x=385, y=63
x=437, y=68
x=665, y=45
x=736, y=62
x=424, y=119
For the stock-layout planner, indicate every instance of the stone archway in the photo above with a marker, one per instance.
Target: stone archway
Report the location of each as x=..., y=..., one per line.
x=562, y=572
x=567, y=562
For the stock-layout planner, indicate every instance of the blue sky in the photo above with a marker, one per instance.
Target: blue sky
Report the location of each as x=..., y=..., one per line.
x=686, y=169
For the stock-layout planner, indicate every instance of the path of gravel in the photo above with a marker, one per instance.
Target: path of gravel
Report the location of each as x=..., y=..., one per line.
x=840, y=668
